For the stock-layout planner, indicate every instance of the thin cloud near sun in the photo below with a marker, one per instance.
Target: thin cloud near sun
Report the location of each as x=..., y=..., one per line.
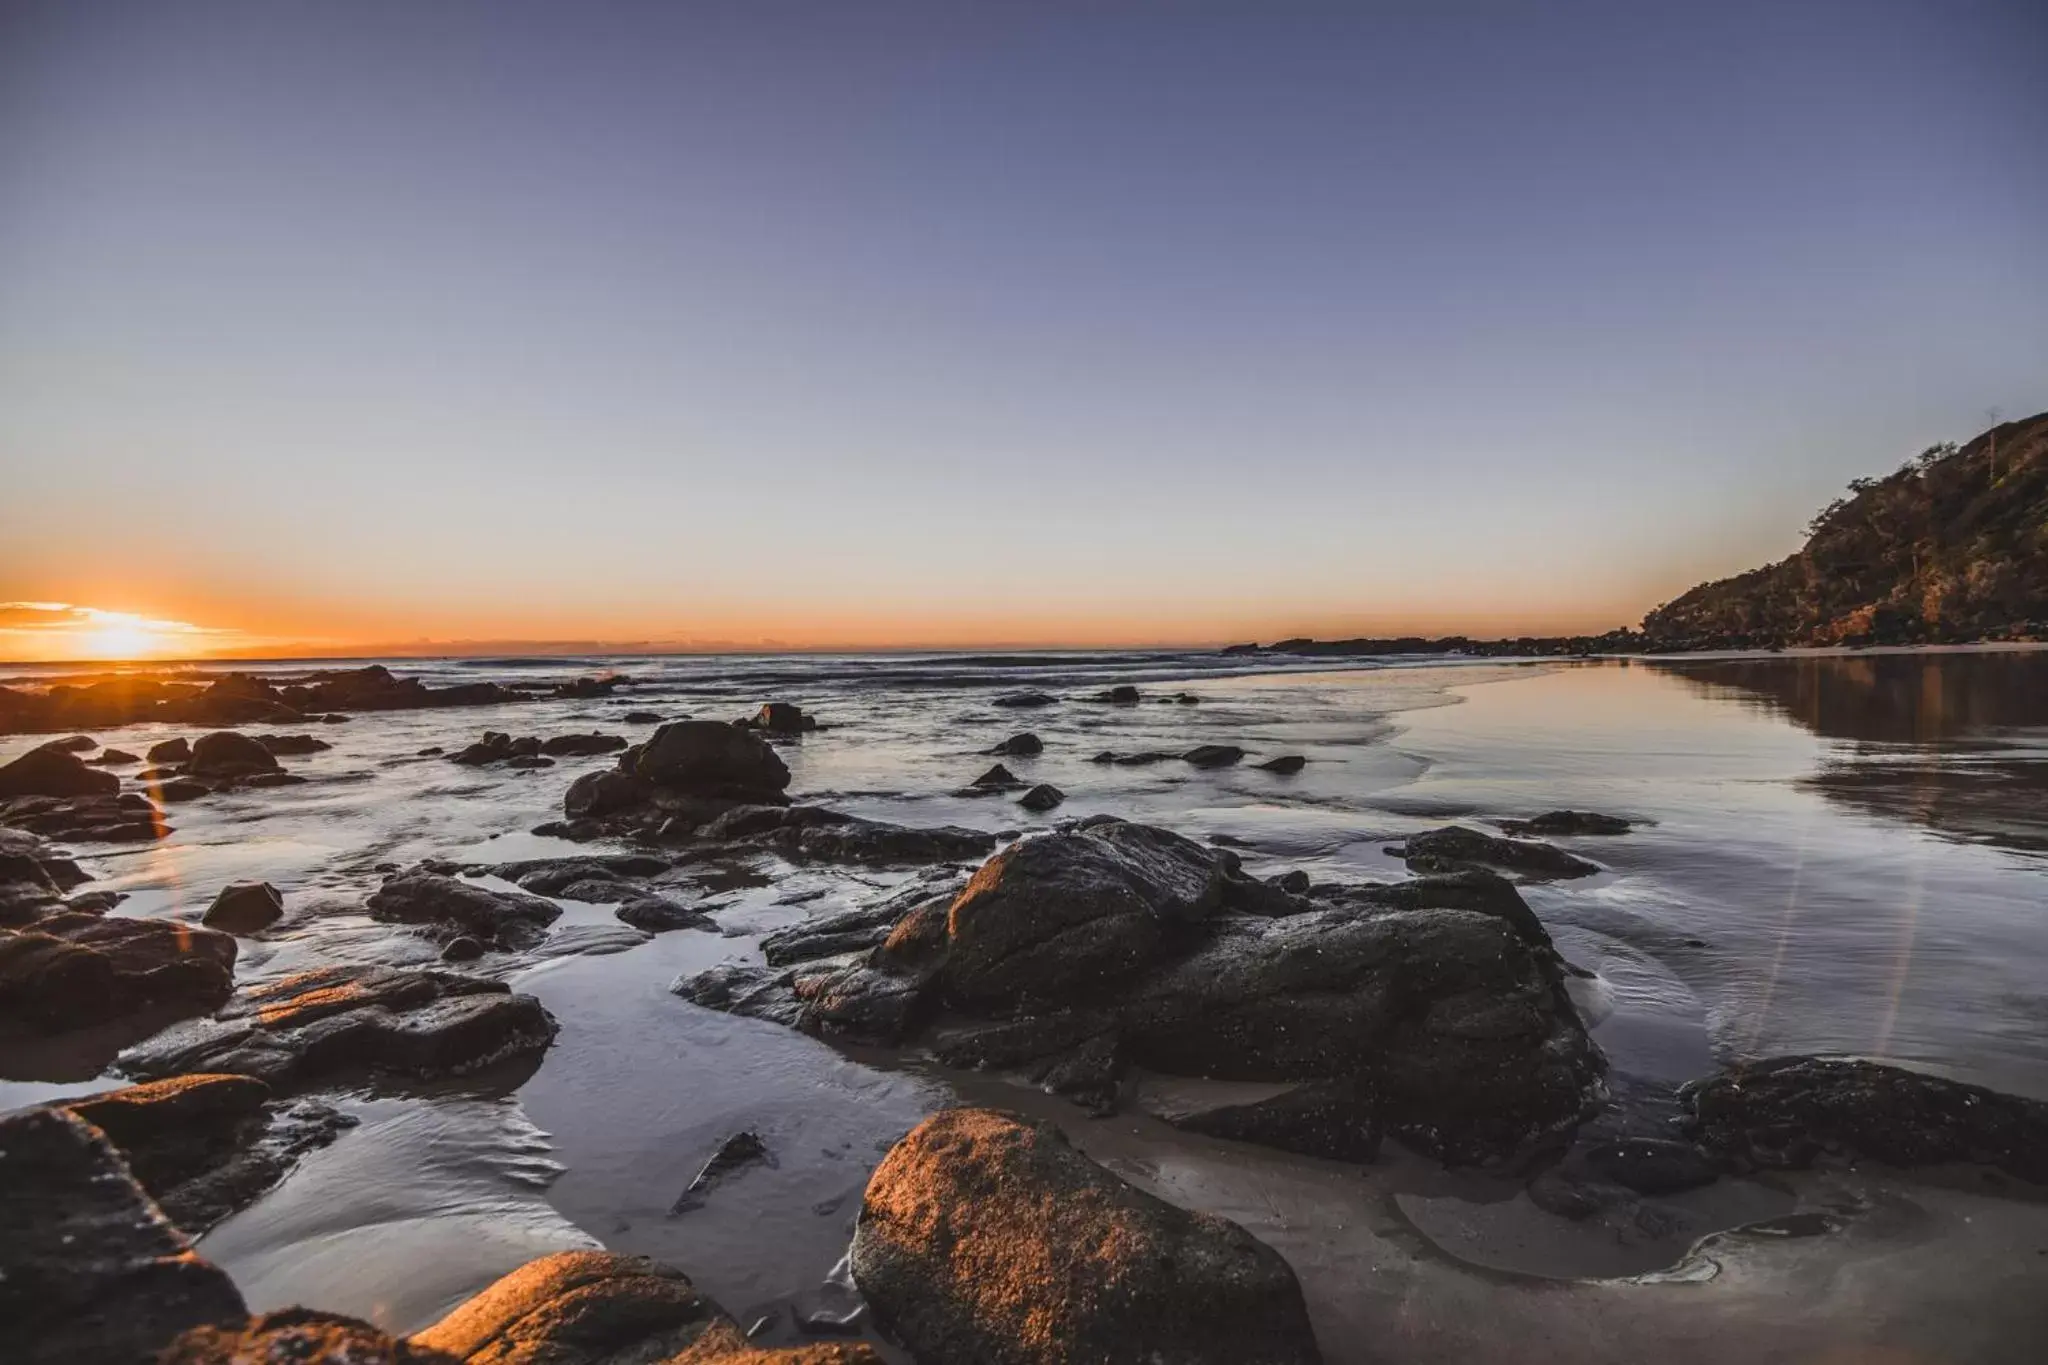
x=48, y=630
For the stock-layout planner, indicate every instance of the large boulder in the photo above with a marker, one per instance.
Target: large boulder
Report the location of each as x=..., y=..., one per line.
x=33, y=877
x=300, y=1336
x=1784, y=1113
x=707, y=758
x=244, y=908
x=1072, y=913
x=90, y=1269
x=229, y=753
x=455, y=907
x=105, y=817
x=49, y=771
x=987, y=1240
x=72, y=970
x=331, y=1020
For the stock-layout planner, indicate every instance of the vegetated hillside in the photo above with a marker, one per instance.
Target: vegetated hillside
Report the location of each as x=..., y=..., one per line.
x=1952, y=547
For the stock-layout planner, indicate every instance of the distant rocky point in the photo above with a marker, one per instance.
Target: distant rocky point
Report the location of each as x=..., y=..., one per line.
x=1951, y=548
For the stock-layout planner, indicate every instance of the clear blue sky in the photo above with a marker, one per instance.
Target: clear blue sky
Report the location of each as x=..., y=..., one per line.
x=844, y=322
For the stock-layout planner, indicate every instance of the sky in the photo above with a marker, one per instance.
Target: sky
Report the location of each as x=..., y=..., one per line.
x=368, y=326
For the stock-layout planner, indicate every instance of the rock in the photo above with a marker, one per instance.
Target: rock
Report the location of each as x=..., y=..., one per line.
x=110, y=817
x=586, y=689
x=996, y=779
x=1563, y=822
x=1138, y=760
x=1042, y=797
x=1783, y=1113
x=374, y=688
x=504, y=919
x=90, y=1269
x=642, y=718
x=1021, y=745
x=528, y=761
x=72, y=970
x=1295, y=883
x=95, y=902
x=229, y=753
x=114, y=757
x=301, y=1336
x=287, y=746
x=48, y=771
x=33, y=877
x=741, y=1149
x=1213, y=755
x=244, y=908
x=74, y=744
x=1121, y=695
x=815, y=834
x=1337, y=1120
x=170, y=751
x=290, y=1032
x=858, y=929
x=183, y=789
x=547, y=876
x=1020, y=701
x=1070, y=912
x=986, y=1240
x=781, y=718
x=1284, y=766
x=657, y=915
x=705, y=758
x=1455, y=847
x=462, y=948
x=581, y=746
x=495, y=747
x=207, y=1146
x=1652, y=1166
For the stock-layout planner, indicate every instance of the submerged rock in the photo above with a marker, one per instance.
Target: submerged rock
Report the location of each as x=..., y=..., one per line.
x=1285, y=766
x=244, y=908
x=986, y=1240
x=1123, y=694
x=1784, y=1113
x=581, y=746
x=741, y=1149
x=1020, y=701
x=90, y=1269
x=658, y=915
x=1565, y=822
x=421, y=1023
x=71, y=970
x=1021, y=745
x=1213, y=755
x=454, y=906
x=1455, y=847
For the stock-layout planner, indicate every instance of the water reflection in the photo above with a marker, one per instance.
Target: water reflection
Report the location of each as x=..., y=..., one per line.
x=1956, y=742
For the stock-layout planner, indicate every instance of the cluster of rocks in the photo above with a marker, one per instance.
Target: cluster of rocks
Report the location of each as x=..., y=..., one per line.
x=531, y=751
x=50, y=791
x=1201, y=756
x=1456, y=848
x=717, y=787
x=1437, y=1006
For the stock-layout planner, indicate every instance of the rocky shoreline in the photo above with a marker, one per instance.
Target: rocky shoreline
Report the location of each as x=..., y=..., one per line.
x=1436, y=1012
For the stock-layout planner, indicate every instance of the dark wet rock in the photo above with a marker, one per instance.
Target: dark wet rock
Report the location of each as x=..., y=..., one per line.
x=1213, y=755
x=1023, y=701
x=74, y=744
x=375, y=688
x=1021, y=745
x=586, y=689
x=528, y=761
x=642, y=718
x=781, y=718
x=987, y=1240
x=1338, y=1120
x=996, y=779
x=741, y=1149
x=177, y=750
x=183, y=789
x=95, y=902
x=1144, y=759
x=1455, y=847
x=816, y=834
x=494, y=747
x=33, y=877
x=462, y=948
x=1476, y=889
x=289, y=746
x=229, y=753
x=244, y=908
x=291, y=1032
x=1784, y=1113
x=207, y=1146
x=431, y=751
x=503, y=918
x=48, y=771
x=581, y=746
x=705, y=758
x=1285, y=766
x=1295, y=883
x=1567, y=822
x=1069, y=913
x=71, y=970
x=300, y=1336
x=1121, y=695
x=1652, y=1166
x=547, y=876
x=121, y=817
x=90, y=1269
x=592, y=940
x=110, y=758
x=1042, y=797
x=658, y=915
x=861, y=928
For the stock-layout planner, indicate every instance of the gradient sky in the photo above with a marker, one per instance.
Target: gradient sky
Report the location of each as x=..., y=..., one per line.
x=853, y=324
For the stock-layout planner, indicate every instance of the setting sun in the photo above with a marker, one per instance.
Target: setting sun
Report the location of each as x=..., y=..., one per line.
x=119, y=635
